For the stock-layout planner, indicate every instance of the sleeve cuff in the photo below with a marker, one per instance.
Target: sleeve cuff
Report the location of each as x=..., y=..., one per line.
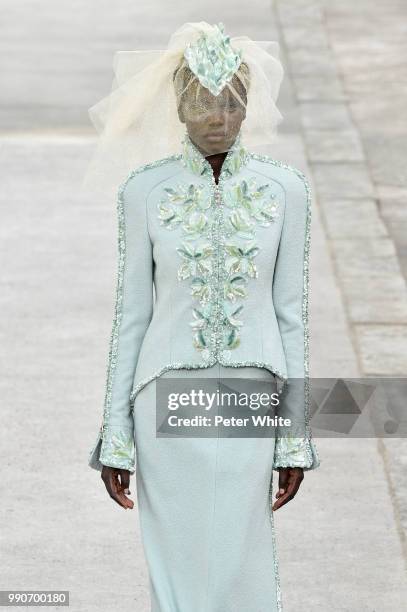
x=296, y=452
x=114, y=447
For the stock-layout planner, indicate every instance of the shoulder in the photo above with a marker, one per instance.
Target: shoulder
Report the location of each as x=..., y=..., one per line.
x=143, y=179
x=292, y=180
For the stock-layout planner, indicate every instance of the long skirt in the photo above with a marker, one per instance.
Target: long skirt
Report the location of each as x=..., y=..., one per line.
x=204, y=509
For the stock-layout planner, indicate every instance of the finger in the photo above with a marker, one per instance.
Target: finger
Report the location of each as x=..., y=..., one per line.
x=284, y=499
x=295, y=478
x=125, y=481
x=122, y=500
x=283, y=476
x=113, y=487
x=117, y=492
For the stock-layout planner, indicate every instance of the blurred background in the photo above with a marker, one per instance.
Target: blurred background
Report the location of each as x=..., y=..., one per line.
x=342, y=541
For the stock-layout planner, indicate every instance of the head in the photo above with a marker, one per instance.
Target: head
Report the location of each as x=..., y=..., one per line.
x=212, y=122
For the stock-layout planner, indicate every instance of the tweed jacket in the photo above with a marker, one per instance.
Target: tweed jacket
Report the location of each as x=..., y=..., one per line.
x=208, y=273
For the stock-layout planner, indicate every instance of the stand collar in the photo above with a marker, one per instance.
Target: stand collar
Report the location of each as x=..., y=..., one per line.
x=195, y=161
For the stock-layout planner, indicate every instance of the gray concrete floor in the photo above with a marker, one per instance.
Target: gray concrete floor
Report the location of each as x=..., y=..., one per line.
x=341, y=540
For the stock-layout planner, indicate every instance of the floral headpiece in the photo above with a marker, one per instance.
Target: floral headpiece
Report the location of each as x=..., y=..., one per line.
x=213, y=60
x=139, y=122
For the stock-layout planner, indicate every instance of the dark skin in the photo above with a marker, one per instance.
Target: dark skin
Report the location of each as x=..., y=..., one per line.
x=117, y=484
x=216, y=161
x=213, y=125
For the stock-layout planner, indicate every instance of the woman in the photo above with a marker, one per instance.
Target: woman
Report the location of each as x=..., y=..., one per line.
x=212, y=284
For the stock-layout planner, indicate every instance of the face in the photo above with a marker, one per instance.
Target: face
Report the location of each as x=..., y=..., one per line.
x=212, y=122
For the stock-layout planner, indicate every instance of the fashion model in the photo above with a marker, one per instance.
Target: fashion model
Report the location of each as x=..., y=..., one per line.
x=212, y=283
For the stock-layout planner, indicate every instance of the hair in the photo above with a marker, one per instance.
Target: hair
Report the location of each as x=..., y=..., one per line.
x=240, y=80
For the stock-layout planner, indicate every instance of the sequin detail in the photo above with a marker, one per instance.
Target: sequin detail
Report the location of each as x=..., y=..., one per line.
x=118, y=448
x=212, y=59
x=310, y=455
x=275, y=554
x=114, y=339
x=212, y=361
x=219, y=245
x=224, y=360
x=238, y=156
x=293, y=452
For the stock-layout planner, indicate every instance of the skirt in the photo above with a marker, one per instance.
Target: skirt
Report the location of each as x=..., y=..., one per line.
x=205, y=511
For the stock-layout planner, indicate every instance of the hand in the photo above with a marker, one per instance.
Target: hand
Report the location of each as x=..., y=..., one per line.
x=117, y=487
x=289, y=480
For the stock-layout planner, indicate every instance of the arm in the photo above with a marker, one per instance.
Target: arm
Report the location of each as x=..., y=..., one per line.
x=294, y=446
x=133, y=310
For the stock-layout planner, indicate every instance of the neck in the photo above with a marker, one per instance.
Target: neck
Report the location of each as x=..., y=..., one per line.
x=216, y=162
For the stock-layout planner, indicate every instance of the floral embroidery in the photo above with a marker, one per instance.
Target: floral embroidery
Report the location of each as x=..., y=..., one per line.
x=195, y=263
x=212, y=59
x=185, y=207
x=251, y=202
x=238, y=156
x=219, y=246
x=118, y=448
x=242, y=259
x=294, y=452
x=197, y=164
x=118, y=312
x=234, y=289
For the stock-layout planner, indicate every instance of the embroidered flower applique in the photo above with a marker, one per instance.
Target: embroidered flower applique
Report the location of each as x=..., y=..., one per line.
x=119, y=448
x=218, y=255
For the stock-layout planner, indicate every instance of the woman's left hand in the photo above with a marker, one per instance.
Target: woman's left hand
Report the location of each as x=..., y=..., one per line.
x=289, y=481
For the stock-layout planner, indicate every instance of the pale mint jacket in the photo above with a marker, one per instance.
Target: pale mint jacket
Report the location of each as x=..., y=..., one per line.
x=208, y=274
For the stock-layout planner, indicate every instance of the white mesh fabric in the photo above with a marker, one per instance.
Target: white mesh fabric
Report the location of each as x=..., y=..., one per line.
x=139, y=122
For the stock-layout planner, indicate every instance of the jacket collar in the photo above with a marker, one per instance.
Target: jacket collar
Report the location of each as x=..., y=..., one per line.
x=195, y=161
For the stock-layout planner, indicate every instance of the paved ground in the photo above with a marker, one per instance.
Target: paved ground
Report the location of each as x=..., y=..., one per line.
x=58, y=282
x=349, y=82
x=369, y=47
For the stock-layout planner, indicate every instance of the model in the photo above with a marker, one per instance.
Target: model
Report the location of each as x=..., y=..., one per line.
x=212, y=283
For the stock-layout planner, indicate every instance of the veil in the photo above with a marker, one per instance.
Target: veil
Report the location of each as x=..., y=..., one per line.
x=138, y=122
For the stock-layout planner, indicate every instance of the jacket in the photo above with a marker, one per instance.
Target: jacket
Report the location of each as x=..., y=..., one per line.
x=208, y=273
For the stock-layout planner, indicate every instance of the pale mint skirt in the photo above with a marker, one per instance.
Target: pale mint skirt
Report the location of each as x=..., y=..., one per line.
x=204, y=508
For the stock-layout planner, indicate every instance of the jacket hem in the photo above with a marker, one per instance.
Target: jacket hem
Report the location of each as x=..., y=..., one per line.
x=192, y=366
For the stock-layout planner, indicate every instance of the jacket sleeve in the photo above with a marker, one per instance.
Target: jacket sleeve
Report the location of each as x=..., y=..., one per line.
x=294, y=446
x=133, y=310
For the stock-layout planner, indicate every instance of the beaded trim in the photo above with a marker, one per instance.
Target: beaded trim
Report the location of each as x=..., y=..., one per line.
x=194, y=366
x=237, y=157
x=114, y=338
x=113, y=349
x=305, y=314
x=266, y=158
x=293, y=452
x=119, y=449
x=312, y=453
x=222, y=265
x=275, y=555
x=212, y=59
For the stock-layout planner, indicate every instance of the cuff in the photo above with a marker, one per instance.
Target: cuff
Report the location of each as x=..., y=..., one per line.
x=295, y=452
x=114, y=447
